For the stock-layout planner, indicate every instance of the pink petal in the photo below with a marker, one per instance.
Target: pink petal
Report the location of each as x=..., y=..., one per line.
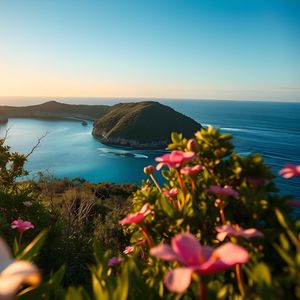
x=251, y=232
x=190, y=252
x=164, y=251
x=221, y=236
x=178, y=280
x=224, y=257
x=232, y=254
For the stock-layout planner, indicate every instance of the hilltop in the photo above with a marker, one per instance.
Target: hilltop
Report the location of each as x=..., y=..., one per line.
x=53, y=109
x=143, y=125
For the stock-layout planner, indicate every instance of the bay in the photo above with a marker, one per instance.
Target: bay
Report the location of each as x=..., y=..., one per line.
x=69, y=149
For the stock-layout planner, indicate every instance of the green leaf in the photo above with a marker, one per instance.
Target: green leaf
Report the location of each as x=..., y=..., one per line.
x=34, y=247
x=262, y=275
x=167, y=207
x=73, y=294
x=121, y=292
x=99, y=292
x=57, y=277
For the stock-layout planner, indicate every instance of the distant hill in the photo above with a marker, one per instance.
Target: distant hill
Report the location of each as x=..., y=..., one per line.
x=53, y=109
x=144, y=125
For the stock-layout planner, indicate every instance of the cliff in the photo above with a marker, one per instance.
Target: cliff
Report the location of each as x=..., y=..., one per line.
x=143, y=125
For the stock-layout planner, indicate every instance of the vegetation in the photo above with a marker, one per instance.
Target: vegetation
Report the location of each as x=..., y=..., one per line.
x=142, y=125
x=217, y=229
x=53, y=109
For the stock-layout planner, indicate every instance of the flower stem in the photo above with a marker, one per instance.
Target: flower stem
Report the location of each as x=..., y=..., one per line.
x=155, y=182
x=240, y=281
x=147, y=237
x=222, y=215
x=181, y=183
x=202, y=290
x=20, y=238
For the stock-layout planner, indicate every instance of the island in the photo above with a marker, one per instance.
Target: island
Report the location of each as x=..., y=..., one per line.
x=141, y=125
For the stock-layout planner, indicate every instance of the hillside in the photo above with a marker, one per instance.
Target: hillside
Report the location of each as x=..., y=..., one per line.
x=53, y=109
x=143, y=125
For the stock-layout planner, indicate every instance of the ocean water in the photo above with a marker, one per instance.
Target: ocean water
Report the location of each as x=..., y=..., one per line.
x=69, y=149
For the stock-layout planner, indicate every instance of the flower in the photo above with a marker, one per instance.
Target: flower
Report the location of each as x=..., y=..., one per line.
x=128, y=250
x=136, y=217
x=194, y=257
x=27, y=203
x=174, y=159
x=14, y=273
x=114, y=261
x=290, y=171
x=194, y=170
x=222, y=191
x=21, y=225
x=191, y=145
x=236, y=230
x=171, y=193
x=149, y=170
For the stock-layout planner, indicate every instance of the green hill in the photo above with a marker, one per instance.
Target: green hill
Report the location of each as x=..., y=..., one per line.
x=144, y=125
x=53, y=109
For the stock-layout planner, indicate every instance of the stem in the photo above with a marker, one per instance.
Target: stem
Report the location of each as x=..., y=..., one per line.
x=155, y=182
x=202, y=290
x=20, y=238
x=222, y=215
x=181, y=186
x=193, y=185
x=240, y=281
x=147, y=237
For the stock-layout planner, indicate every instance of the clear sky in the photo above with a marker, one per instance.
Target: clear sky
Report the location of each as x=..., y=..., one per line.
x=213, y=49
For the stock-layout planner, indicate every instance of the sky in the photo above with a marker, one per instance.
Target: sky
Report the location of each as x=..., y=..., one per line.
x=203, y=49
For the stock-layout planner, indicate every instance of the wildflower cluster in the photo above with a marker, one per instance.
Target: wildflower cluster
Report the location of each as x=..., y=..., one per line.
x=215, y=229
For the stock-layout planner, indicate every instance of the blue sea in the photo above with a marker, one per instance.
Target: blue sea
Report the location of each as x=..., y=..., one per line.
x=69, y=149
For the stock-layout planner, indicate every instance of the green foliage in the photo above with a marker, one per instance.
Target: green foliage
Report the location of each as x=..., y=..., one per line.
x=273, y=269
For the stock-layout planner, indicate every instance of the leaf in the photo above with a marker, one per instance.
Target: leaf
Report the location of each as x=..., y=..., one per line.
x=34, y=247
x=121, y=292
x=98, y=291
x=57, y=277
x=73, y=294
x=261, y=274
x=167, y=207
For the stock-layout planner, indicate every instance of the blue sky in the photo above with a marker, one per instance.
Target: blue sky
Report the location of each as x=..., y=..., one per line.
x=213, y=49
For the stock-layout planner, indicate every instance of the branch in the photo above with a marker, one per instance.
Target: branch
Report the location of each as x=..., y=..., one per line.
x=37, y=144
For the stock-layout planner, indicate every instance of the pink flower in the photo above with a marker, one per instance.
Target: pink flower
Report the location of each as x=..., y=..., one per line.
x=194, y=257
x=114, y=261
x=236, y=230
x=174, y=159
x=222, y=191
x=290, y=171
x=294, y=203
x=15, y=273
x=194, y=170
x=21, y=225
x=128, y=250
x=136, y=217
x=171, y=193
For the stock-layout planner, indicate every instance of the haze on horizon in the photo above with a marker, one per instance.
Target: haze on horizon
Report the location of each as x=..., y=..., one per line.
x=223, y=49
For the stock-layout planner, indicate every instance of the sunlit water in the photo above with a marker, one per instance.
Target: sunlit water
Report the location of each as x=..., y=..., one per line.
x=69, y=149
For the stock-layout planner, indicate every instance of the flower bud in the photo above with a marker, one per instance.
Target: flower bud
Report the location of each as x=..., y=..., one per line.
x=192, y=145
x=149, y=170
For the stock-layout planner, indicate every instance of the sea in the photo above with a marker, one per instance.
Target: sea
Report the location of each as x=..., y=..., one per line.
x=69, y=150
